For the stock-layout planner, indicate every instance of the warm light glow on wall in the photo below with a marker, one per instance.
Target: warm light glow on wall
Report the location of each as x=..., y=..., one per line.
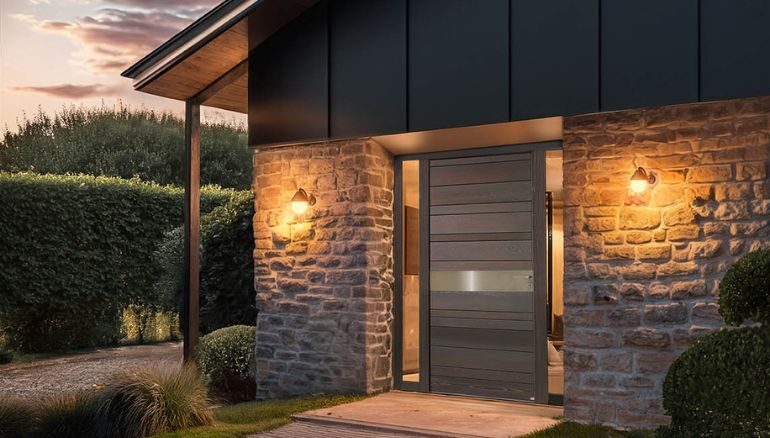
x=301, y=201
x=641, y=179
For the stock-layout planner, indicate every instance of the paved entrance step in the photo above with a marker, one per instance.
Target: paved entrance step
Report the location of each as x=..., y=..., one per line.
x=314, y=429
x=375, y=428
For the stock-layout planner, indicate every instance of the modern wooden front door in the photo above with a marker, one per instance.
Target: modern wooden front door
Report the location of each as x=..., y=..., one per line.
x=482, y=339
x=483, y=274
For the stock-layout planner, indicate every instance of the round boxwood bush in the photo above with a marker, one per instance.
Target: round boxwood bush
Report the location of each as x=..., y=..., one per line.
x=744, y=292
x=719, y=387
x=226, y=358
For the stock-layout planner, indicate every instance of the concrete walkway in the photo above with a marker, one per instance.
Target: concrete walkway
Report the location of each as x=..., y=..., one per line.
x=432, y=415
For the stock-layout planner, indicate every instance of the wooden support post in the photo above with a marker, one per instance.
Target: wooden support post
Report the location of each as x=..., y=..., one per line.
x=192, y=160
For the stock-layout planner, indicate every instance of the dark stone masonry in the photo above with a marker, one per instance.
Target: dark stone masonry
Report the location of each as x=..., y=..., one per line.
x=324, y=279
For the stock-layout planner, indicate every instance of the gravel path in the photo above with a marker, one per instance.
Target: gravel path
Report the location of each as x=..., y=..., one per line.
x=74, y=372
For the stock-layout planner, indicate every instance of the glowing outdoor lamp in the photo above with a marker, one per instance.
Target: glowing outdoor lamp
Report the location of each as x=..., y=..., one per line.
x=641, y=179
x=301, y=200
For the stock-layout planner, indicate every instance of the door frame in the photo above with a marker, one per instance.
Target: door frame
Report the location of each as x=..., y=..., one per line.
x=539, y=249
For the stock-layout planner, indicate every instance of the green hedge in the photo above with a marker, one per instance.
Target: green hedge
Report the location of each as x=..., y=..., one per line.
x=721, y=386
x=227, y=266
x=77, y=250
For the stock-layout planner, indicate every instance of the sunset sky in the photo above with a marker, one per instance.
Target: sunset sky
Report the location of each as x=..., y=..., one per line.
x=56, y=53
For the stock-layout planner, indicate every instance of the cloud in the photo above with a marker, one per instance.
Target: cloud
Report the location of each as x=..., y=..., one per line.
x=113, y=38
x=71, y=91
x=178, y=4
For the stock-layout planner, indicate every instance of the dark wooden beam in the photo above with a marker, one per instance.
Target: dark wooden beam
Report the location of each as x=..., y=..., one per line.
x=192, y=159
x=223, y=81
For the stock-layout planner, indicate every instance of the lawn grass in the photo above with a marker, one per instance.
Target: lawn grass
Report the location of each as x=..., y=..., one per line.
x=238, y=421
x=575, y=430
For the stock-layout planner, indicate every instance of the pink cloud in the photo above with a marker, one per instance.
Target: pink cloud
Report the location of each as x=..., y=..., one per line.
x=71, y=91
x=113, y=38
x=167, y=3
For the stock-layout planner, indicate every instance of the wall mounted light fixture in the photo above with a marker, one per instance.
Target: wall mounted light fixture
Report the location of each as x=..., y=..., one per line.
x=641, y=179
x=301, y=201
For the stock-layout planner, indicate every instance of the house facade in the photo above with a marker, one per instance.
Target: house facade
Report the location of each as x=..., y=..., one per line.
x=520, y=200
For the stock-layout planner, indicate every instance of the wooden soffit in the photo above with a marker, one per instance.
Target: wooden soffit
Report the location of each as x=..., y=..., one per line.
x=203, y=67
x=208, y=61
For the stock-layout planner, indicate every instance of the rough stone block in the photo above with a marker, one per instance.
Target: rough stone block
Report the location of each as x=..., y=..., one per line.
x=647, y=337
x=639, y=218
x=674, y=313
x=719, y=173
x=751, y=171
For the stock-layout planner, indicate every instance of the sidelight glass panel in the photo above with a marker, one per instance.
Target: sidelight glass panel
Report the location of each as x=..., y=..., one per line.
x=555, y=273
x=482, y=281
x=410, y=311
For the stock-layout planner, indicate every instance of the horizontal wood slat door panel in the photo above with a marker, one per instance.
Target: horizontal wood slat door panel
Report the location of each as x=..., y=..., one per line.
x=500, y=207
x=514, y=191
x=481, y=173
x=506, y=376
x=482, y=323
x=519, y=302
x=485, y=338
x=481, y=276
x=480, y=359
x=481, y=223
x=482, y=250
x=450, y=265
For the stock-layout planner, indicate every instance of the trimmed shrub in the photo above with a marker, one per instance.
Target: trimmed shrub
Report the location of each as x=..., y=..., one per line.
x=67, y=416
x=227, y=266
x=16, y=418
x=744, y=292
x=152, y=401
x=226, y=358
x=125, y=142
x=719, y=387
x=82, y=249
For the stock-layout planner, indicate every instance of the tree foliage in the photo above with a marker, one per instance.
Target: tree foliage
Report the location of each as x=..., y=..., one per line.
x=125, y=143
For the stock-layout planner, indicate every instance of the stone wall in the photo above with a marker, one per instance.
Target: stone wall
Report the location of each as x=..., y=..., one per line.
x=642, y=272
x=324, y=279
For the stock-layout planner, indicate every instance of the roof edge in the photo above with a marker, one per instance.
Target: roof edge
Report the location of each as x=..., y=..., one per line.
x=181, y=38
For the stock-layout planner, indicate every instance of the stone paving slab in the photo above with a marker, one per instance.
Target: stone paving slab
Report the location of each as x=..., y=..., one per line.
x=302, y=429
x=440, y=415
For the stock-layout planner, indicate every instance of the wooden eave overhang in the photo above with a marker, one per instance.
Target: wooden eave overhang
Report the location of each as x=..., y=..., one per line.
x=208, y=61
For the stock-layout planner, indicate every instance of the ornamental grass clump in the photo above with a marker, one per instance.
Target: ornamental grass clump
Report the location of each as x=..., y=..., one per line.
x=152, y=401
x=67, y=415
x=16, y=418
x=226, y=358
